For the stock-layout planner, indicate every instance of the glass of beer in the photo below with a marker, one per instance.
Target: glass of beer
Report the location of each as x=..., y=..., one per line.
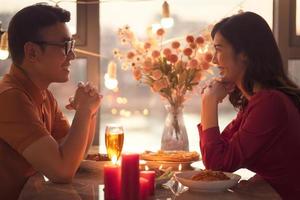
x=114, y=139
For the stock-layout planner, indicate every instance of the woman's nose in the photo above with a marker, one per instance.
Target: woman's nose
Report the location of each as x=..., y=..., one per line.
x=214, y=59
x=71, y=55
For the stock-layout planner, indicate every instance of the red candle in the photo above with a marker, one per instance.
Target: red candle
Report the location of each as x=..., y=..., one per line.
x=130, y=177
x=112, y=182
x=150, y=176
x=144, y=188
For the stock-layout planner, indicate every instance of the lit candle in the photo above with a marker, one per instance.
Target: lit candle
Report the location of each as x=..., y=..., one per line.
x=112, y=182
x=144, y=188
x=130, y=177
x=150, y=176
x=179, y=167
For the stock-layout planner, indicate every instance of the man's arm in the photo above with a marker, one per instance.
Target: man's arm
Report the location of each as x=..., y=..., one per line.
x=60, y=162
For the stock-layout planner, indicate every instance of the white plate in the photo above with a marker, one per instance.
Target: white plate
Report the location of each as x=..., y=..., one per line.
x=206, y=186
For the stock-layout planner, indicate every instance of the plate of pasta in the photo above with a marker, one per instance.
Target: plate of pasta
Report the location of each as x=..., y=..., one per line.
x=207, y=180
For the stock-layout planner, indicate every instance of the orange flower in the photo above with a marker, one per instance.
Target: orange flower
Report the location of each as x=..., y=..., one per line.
x=208, y=57
x=187, y=51
x=172, y=58
x=175, y=45
x=137, y=74
x=130, y=55
x=167, y=51
x=156, y=74
x=190, y=39
x=155, y=54
x=160, y=32
x=200, y=40
x=193, y=63
x=159, y=85
x=204, y=65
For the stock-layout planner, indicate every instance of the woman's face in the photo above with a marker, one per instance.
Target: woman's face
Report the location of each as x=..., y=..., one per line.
x=232, y=65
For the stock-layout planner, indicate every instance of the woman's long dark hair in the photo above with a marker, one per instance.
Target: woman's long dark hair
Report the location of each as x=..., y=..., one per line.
x=250, y=34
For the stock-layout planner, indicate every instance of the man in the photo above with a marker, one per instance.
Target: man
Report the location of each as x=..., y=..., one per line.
x=34, y=134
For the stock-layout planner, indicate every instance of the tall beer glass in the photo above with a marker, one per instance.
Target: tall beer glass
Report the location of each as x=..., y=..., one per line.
x=114, y=139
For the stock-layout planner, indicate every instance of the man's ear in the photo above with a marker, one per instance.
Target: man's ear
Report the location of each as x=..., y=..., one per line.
x=31, y=51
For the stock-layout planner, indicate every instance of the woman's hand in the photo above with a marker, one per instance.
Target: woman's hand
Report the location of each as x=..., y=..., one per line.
x=86, y=97
x=216, y=90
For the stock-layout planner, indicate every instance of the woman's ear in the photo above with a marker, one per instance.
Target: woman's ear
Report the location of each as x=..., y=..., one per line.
x=31, y=51
x=243, y=57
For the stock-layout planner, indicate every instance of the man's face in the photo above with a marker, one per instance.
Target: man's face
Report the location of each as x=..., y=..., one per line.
x=53, y=64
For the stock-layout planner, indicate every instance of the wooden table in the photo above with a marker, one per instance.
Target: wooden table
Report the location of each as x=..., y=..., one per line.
x=88, y=185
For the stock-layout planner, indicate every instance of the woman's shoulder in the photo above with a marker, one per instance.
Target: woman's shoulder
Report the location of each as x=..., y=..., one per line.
x=269, y=98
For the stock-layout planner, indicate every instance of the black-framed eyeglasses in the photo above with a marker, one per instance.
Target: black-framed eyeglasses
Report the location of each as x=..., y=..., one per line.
x=68, y=45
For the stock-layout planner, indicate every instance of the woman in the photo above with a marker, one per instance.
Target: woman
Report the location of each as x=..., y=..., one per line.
x=265, y=136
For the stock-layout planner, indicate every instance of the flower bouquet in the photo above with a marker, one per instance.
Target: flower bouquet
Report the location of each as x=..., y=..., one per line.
x=171, y=69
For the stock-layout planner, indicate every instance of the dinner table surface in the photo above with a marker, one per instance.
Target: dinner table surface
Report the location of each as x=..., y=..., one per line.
x=88, y=185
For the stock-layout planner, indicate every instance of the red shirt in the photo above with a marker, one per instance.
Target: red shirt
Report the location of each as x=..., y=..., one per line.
x=264, y=138
x=26, y=115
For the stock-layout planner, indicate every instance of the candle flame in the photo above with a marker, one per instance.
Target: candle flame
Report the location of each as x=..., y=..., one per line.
x=160, y=167
x=146, y=168
x=114, y=159
x=179, y=167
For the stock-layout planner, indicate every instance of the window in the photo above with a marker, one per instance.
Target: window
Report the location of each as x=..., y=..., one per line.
x=294, y=71
x=142, y=113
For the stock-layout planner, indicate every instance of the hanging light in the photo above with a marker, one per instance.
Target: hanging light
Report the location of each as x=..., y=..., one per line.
x=166, y=21
x=110, y=78
x=4, y=46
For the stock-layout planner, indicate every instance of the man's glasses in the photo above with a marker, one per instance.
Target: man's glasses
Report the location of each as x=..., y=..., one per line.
x=68, y=45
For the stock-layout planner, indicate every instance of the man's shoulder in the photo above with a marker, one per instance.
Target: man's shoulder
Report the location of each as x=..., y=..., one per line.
x=7, y=84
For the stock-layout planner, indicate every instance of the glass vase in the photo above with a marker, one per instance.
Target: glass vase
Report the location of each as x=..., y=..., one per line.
x=174, y=136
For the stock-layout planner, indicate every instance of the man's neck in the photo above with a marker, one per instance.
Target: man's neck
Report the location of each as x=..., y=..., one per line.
x=34, y=77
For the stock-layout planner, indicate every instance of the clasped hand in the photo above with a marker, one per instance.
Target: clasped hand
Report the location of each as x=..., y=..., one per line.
x=86, y=97
x=216, y=89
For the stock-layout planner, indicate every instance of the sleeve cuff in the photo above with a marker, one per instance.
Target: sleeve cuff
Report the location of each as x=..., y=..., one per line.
x=210, y=134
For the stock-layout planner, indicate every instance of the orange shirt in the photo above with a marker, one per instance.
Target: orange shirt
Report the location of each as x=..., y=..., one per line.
x=26, y=115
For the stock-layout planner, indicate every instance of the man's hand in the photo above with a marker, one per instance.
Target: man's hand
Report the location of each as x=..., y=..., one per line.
x=86, y=97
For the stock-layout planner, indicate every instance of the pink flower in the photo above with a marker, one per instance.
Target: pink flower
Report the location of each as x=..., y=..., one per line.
x=204, y=65
x=187, y=51
x=160, y=32
x=155, y=54
x=190, y=39
x=208, y=57
x=167, y=51
x=200, y=40
x=130, y=55
x=172, y=58
x=159, y=85
x=175, y=45
x=156, y=74
x=137, y=74
x=193, y=63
